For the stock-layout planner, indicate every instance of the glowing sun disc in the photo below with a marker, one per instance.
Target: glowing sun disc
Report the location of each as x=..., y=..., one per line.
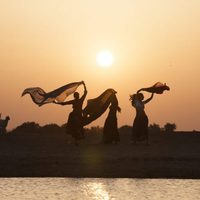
x=104, y=58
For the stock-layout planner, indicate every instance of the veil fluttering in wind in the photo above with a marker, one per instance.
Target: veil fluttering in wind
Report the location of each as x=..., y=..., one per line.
x=157, y=88
x=97, y=106
x=40, y=97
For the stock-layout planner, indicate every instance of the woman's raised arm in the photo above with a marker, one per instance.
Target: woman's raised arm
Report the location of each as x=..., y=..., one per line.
x=64, y=103
x=149, y=99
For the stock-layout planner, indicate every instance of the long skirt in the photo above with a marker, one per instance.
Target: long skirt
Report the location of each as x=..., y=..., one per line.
x=75, y=126
x=110, y=131
x=140, y=128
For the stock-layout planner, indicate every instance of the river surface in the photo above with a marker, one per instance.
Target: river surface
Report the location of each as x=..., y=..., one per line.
x=98, y=188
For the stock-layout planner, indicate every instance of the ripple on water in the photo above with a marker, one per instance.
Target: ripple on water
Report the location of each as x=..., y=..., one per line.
x=98, y=188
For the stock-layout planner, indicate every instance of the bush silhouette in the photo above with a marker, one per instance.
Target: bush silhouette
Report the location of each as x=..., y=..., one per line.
x=154, y=128
x=169, y=127
x=50, y=128
x=29, y=127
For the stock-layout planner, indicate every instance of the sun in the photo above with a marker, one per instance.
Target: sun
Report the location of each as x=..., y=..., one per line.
x=104, y=58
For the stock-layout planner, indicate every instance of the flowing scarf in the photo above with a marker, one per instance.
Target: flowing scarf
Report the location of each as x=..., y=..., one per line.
x=40, y=97
x=157, y=88
x=97, y=106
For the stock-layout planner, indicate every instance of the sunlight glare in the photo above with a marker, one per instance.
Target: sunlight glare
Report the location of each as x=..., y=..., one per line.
x=104, y=58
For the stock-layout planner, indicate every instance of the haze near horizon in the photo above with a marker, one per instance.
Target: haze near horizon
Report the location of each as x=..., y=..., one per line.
x=52, y=43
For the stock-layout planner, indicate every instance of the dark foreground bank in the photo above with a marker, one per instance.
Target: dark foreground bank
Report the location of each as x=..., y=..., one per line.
x=175, y=155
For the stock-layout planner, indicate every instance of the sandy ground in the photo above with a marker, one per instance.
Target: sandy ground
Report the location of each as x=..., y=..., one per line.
x=175, y=155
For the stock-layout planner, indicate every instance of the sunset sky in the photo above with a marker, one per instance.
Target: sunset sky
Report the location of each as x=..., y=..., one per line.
x=49, y=43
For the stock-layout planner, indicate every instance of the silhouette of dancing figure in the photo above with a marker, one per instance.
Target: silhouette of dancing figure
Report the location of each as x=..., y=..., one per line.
x=140, y=124
x=110, y=131
x=75, y=120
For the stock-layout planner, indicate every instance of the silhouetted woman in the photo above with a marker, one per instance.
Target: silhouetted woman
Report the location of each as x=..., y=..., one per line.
x=75, y=120
x=140, y=124
x=110, y=131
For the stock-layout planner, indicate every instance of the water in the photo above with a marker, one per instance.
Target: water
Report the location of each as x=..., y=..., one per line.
x=94, y=188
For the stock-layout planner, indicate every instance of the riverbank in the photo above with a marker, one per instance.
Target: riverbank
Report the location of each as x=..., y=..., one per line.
x=174, y=155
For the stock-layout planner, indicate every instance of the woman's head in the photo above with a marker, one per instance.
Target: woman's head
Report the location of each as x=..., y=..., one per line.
x=137, y=96
x=140, y=96
x=76, y=95
x=7, y=118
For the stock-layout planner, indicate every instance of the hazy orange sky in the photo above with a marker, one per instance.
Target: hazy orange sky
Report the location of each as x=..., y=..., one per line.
x=49, y=43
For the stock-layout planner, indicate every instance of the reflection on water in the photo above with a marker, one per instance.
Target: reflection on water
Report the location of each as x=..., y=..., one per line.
x=97, y=190
x=94, y=188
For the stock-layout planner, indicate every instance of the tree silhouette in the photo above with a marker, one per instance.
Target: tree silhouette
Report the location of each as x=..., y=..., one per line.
x=170, y=127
